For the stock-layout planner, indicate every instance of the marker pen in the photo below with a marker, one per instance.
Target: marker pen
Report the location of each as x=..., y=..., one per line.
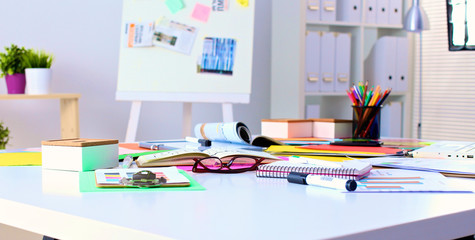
x=151, y=146
x=322, y=181
x=127, y=161
x=203, y=142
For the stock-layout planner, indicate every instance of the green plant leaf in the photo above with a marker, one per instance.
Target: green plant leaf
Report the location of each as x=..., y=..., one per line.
x=11, y=61
x=37, y=59
x=4, y=135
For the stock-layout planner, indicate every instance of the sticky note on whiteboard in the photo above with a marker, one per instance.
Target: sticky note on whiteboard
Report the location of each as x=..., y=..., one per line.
x=243, y=3
x=174, y=5
x=201, y=12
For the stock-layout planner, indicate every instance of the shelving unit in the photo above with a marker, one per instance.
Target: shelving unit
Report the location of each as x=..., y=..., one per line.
x=289, y=26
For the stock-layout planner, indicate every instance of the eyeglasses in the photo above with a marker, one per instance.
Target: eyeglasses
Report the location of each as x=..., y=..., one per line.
x=236, y=164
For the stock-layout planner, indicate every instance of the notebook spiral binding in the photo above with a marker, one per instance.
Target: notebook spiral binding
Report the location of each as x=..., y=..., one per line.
x=283, y=171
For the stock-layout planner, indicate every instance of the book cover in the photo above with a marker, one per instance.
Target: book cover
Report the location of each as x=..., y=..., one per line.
x=184, y=157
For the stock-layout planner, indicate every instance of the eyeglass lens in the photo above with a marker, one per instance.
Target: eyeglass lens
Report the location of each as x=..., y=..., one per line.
x=242, y=163
x=210, y=163
x=235, y=163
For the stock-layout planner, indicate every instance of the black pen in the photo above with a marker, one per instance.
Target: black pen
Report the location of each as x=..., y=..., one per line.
x=203, y=142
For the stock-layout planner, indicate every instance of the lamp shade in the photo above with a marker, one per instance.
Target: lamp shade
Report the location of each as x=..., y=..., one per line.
x=416, y=19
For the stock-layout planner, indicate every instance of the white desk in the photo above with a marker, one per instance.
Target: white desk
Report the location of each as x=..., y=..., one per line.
x=238, y=206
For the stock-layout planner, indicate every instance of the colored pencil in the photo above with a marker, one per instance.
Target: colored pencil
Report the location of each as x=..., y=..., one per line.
x=367, y=105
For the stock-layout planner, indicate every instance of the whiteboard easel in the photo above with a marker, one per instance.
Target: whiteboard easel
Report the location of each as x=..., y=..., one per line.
x=156, y=73
x=186, y=124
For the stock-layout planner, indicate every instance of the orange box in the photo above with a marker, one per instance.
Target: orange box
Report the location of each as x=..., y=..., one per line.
x=332, y=128
x=286, y=128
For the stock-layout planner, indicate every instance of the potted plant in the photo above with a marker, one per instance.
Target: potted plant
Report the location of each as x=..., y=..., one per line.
x=12, y=68
x=4, y=136
x=38, y=71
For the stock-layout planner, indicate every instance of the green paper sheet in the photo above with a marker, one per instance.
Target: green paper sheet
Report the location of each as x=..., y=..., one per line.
x=87, y=183
x=122, y=156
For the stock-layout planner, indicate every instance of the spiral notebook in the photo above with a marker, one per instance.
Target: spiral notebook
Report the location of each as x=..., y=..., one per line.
x=353, y=169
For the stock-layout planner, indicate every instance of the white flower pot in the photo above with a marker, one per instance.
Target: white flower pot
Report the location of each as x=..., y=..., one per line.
x=38, y=80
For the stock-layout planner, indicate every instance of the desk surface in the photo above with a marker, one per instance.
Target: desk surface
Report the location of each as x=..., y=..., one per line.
x=237, y=206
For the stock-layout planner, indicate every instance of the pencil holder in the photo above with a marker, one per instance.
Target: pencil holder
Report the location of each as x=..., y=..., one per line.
x=366, y=122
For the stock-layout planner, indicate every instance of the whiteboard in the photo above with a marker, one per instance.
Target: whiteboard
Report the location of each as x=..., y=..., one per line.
x=160, y=74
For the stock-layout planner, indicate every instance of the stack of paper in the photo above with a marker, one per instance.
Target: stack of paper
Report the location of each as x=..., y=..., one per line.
x=397, y=180
x=332, y=150
x=462, y=168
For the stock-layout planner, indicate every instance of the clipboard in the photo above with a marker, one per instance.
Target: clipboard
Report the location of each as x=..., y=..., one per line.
x=111, y=178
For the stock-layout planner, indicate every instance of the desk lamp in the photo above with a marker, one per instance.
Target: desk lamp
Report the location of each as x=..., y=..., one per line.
x=416, y=21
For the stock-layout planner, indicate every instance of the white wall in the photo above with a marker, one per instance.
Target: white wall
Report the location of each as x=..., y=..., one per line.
x=84, y=37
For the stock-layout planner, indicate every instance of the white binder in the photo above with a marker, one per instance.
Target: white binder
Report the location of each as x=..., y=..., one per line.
x=402, y=67
x=391, y=120
x=370, y=11
x=380, y=66
x=348, y=11
x=327, y=61
x=382, y=15
x=312, y=61
x=389, y=61
x=313, y=10
x=328, y=10
x=342, y=61
x=395, y=12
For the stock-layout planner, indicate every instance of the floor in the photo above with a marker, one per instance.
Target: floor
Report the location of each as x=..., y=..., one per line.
x=11, y=233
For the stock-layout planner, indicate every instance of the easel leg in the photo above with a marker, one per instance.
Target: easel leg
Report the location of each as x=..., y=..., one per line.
x=187, y=131
x=227, y=112
x=133, y=121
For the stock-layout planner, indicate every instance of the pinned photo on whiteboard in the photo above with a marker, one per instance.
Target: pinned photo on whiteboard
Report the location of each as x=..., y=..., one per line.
x=220, y=5
x=138, y=34
x=165, y=39
x=175, y=36
x=218, y=56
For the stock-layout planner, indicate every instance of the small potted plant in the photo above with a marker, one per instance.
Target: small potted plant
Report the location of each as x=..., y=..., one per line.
x=13, y=70
x=38, y=71
x=4, y=136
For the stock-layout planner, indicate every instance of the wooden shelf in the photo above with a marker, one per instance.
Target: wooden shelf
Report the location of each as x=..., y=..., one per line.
x=69, y=109
x=371, y=25
x=325, y=94
x=344, y=94
x=355, y=24
x=40, y=96
x=342, y=24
